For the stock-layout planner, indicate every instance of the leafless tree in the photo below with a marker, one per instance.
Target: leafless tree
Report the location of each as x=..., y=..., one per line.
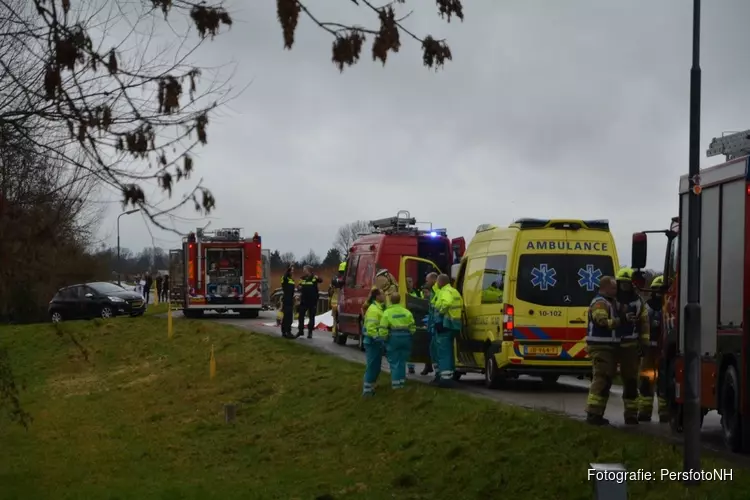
x=310, y=259
x=287, y=258
x=348, y=233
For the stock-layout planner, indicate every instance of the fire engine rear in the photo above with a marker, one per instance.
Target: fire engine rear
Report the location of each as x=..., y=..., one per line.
x=218, y=271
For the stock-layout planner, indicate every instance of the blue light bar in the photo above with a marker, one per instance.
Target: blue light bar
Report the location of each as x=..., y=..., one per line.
x=433, y=234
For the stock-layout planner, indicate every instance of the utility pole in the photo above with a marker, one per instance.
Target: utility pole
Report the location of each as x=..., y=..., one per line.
x=118, y=241
x=692, y=316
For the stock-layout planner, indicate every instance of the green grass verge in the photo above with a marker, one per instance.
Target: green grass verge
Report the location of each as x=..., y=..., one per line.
x=153, y=309
x=141, y=419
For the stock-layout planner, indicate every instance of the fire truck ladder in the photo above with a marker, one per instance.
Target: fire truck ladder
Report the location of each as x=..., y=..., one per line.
x=732, y=146
x=402, y=222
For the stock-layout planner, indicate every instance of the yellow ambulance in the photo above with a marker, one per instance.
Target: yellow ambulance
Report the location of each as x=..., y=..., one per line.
x=526, y=290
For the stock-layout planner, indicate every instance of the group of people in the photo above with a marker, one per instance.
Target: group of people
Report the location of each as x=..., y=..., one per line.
x=307, y=287
x=162, y=286
x=625, y=330
x=389, y=326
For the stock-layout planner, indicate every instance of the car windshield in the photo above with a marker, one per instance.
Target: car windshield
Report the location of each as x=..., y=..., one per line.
x=106, y=288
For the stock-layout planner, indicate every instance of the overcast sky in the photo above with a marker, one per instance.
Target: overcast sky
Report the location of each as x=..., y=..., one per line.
x=549, y=109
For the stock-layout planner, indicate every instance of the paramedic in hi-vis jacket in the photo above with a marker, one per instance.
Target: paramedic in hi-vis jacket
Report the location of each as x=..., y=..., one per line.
x=603, y=345
x=398, y=326
x=448, y=312
x=374, y=341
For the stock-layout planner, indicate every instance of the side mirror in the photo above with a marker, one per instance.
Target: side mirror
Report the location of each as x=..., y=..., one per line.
x=89, y=295
x=639, y=251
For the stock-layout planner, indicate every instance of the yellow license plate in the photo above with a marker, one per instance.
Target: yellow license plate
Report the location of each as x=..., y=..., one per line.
x=533, y=350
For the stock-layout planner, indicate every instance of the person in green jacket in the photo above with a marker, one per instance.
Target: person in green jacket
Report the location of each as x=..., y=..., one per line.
x=374, y=342
x=398, y=326
x=448, y=313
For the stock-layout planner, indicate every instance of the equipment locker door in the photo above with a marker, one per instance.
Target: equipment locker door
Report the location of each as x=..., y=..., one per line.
x=417, y=269
x=177, y=277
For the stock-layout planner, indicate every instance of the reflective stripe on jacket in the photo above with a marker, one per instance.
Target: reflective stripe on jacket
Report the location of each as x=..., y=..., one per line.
x=397, y=319
x=602, y=315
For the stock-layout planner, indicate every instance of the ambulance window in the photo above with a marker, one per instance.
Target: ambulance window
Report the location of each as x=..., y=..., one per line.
x=541, y=279
x=351, y=271
x=493, y=279
x=584, y=273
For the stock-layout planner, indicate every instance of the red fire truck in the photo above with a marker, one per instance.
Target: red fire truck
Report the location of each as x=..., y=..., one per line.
x=400, y=246
x=218, y=271
x=724, y=291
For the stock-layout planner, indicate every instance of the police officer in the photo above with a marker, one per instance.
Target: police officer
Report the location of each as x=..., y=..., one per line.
x=448, y=312
x=308, y=304
x=634, y=330
x=398, y=326
x=334, y=291
x=287, y=302
x=651, y=376
x=374, y=341
x=431, y=290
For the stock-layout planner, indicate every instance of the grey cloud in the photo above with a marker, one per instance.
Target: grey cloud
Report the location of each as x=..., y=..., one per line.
x=576, y=108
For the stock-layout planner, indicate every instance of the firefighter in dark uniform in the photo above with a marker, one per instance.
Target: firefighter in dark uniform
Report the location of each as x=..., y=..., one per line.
x=287, y=303
x=308, y=305
x=651, y=375
x=334, y=291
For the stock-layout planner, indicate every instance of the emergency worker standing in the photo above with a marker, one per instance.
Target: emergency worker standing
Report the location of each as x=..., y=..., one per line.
x=385, y=282
x=287, y=302
x=651, y=376
x=337, y=283
x=308, y=305
x=432, y=291
x=603, y=342
x=449, y=308
x=416, y=293
x=374, y=342
x=635, y=332
x=398, y=326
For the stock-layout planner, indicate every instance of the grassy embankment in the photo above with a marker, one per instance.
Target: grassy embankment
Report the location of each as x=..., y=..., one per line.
x=141, y=419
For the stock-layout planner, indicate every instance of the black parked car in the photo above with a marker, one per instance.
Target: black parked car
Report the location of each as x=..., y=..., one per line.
x=94, y=300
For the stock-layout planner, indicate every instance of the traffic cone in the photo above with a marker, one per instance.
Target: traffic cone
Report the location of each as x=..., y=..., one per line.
x=212, y=364
x=170, y=333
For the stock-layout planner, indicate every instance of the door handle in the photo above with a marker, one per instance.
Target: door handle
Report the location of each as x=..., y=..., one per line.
x=577, y=321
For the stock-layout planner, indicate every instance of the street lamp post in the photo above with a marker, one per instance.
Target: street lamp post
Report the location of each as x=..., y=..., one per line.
x=118, y=241
x=692, y=403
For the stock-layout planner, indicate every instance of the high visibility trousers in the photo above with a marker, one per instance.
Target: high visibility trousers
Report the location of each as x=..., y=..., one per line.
x=434, y=353
x=444, y=348
x=373, y=360
x=398, y=352
x=647, y=386
x=604, y=361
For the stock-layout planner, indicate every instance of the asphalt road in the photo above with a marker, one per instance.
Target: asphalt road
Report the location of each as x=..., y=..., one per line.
x=567, y=397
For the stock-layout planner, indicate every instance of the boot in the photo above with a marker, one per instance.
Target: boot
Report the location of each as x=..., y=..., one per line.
x=631, y=420
x=596, y=419
x=299, y=334
x=309, y=335
x=426, y=370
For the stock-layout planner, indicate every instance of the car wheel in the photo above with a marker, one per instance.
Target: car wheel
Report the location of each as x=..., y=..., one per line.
x=56, y=316
x=106, y=312
x=493, y=379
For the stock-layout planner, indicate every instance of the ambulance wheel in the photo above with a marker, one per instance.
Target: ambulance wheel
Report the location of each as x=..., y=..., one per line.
x=731, y=421
x=457, y=375
x=550, y=379
x=493, y=378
